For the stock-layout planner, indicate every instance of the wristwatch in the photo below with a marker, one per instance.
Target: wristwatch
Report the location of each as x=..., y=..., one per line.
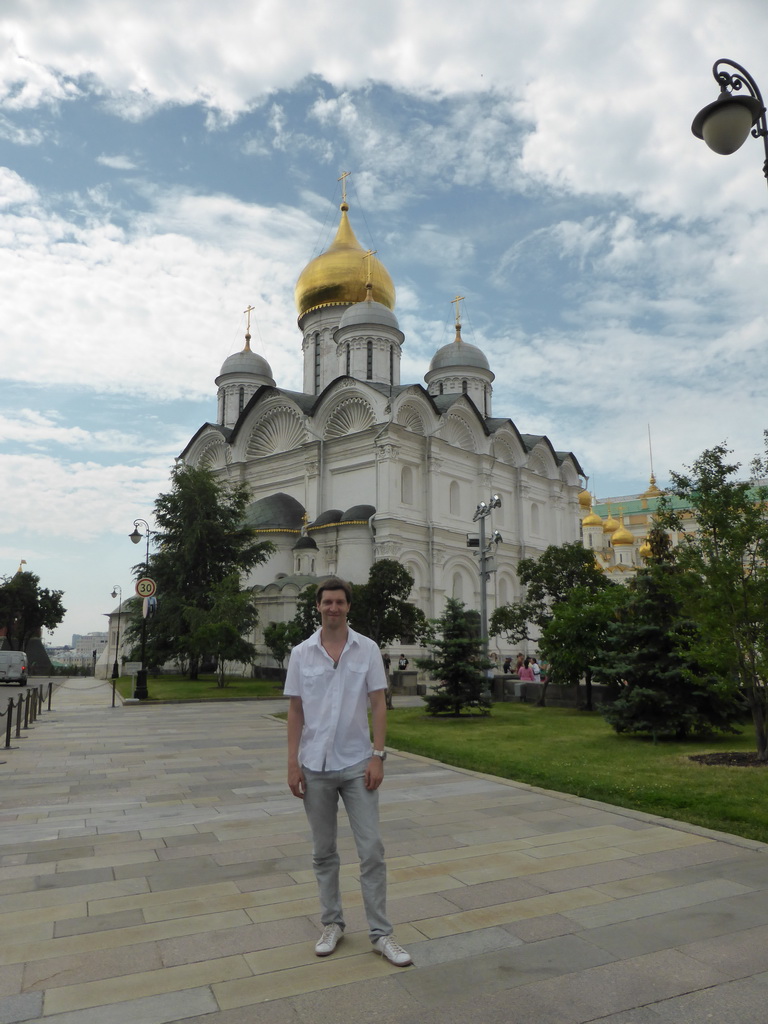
x=379, y=753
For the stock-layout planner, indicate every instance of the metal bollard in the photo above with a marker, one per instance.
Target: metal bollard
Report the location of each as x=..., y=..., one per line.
x=9, y=723
x=18, y=718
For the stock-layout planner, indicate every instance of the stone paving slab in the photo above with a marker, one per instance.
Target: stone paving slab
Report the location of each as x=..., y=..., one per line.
x=153, y=868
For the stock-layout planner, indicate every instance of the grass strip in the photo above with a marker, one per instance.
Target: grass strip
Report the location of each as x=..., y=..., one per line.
x=577, y=752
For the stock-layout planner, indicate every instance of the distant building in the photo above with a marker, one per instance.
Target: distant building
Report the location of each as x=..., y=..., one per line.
x=616, y=529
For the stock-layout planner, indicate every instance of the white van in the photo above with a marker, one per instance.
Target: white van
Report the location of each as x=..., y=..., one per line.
x=13, y=667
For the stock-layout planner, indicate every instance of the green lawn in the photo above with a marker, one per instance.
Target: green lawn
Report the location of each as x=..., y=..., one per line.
x=577, y=752
x=176, y=687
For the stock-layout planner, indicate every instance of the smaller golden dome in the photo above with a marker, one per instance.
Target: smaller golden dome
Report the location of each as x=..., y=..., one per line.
x=653, y=491
x=585, y=499
x=610, y=525
x=593, y=519
x=645, y=549
x=622, y=535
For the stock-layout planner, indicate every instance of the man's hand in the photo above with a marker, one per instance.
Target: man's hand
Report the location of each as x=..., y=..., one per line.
x=296, y=782
x=374, y=773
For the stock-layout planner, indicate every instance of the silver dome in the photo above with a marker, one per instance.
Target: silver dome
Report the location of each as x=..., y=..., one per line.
x=368, y=313
x=247, y=362
x=458, y=353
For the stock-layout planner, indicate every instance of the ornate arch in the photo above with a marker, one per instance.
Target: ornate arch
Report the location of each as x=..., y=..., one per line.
x=456, y=432
x=212, y=455
x=506, y=449
x=350, y=416
x=279, y=429
x=410, y=418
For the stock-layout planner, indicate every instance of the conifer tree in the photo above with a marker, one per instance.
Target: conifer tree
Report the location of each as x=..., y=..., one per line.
x=458, y=663
x=659, y=687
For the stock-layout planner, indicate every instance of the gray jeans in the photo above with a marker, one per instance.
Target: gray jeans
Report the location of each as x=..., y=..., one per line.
x=321, y=801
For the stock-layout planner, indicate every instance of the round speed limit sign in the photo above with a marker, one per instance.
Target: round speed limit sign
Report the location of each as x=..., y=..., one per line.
x=145, y=587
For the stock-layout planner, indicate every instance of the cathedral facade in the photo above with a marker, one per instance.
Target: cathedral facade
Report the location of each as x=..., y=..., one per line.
x=360, y=466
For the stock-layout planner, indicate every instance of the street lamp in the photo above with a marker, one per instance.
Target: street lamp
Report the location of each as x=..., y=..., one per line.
x=117, y=592
x=141, y=692
x=482, y=512
x=725, y=124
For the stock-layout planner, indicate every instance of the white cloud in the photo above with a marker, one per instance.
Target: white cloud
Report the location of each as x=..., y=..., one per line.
x=117, y=162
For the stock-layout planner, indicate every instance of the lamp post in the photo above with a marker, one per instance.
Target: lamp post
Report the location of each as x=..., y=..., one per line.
x=141, y=677
x=482, y=512
x=117, y=592
x=725, y=124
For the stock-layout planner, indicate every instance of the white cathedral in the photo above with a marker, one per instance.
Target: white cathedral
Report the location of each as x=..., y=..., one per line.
x=359, y=466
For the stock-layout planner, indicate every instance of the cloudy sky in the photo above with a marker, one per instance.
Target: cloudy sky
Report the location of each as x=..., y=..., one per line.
x=165, y=164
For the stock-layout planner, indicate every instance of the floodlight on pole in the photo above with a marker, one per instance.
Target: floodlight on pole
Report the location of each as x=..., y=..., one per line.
x=482, y=512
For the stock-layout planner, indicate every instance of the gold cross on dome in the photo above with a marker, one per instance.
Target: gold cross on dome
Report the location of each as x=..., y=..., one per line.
x=248, y=312
x=343, y=179
x=457, y=300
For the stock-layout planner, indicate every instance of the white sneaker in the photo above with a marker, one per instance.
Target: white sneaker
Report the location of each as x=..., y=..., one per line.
x=329, y=940
x=393, y=952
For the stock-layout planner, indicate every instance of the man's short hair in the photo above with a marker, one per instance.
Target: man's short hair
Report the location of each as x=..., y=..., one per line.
x=334, y=583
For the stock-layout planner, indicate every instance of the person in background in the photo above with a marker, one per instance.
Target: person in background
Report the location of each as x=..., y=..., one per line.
x=536, y=669
x=525, y=673
x=402, y=663
x=507, y=666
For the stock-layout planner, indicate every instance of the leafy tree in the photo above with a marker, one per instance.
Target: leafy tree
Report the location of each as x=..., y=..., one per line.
x=201, y=541
x=381, y=609
x=548, y=580
x=220, y=630
x=459, y=664
x=306, y=621
x=577, y=632
x=280, y=637
x=724, y=575
x=659, y=687
x=26, y=608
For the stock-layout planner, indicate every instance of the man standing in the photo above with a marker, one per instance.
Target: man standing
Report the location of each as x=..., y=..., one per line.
x=331, y=678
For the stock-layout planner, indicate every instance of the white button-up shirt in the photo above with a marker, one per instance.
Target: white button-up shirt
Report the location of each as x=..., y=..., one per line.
x=335, y=700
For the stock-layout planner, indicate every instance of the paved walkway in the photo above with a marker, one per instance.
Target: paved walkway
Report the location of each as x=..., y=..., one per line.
x=153, y=868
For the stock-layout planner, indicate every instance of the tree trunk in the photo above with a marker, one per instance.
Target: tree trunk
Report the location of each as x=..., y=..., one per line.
x=542, y=701
x=587, y=689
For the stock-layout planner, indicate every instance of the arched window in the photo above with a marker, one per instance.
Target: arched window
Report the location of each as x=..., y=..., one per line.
x=463, y=387
x=440, y=388
x=391, y=364
x=406, y=485
x=222, y=401
x=503, y=592
x=485, y=399
x=240, y=400
x=369, y=361
x=453, y=499
x=317, y=362
x=457, y=589
x=349, y=358
x=534, y=518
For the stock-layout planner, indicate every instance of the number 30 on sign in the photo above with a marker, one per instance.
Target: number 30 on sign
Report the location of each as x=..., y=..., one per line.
x=145, y=587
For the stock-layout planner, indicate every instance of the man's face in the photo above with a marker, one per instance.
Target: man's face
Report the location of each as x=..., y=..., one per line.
x=333, y=607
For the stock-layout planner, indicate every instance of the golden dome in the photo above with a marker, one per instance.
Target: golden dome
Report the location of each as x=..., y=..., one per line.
x=645, y=549
x=621, y=535
x=653, y=491
x=593, y=519
x=585, y=499
x=610, y=525
x=338, y=276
